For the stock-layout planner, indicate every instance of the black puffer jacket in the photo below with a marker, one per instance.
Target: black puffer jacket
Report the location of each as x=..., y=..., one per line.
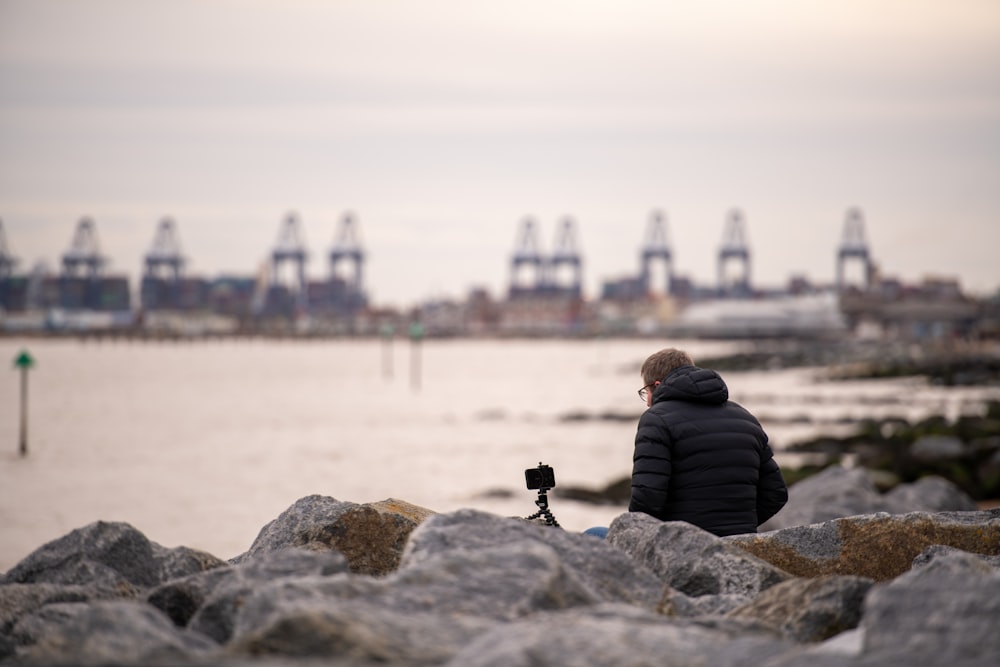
x=703, y=459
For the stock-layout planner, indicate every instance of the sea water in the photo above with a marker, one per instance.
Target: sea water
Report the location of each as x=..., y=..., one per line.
x=202, y=443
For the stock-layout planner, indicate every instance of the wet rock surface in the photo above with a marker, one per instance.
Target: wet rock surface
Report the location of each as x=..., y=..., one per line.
x=691, y=560
x=838, y=492
x=965, y=450
x=370, y=536
x=877, y=546
x=471, y=588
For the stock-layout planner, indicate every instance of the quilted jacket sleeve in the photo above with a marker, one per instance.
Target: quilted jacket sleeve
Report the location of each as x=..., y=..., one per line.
x=651, y=466
x=772, y=494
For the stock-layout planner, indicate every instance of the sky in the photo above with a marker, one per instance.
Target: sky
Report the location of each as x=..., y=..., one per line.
x=441, y=125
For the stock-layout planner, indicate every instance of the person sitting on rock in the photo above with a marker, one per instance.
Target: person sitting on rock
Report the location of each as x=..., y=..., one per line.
x=700, y=457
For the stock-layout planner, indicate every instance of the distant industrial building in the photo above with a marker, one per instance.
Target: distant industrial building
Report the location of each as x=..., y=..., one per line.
x=82, y=283
x=13, y=288
x=545, y=292
x=340, y=295
x=164, y=285
x=544, y=295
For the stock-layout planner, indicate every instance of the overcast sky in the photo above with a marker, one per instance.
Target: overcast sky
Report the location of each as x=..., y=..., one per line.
x=441, y=125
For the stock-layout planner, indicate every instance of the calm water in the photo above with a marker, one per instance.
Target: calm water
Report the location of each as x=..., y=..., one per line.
x=201, y=444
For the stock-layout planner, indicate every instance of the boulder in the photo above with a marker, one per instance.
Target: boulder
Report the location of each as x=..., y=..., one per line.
x=110, y=559
x=988, y=472
x=837, y=492
x=620, y=635
x=356, y=635
x=17, y=600
x=677, y=604
x=425, y=611
x=34, y=626
x=929, y=494
x=690, y=559
x=180, y=598
x=211, y=598
x=473, y=588
x=504, y=582
x=810, y=610
x=935, y=551
x=117, y=632
x=945, y=611
x=216, y=615
x=876, y=546
x=611, y=575
x=832, y=493
x=370, y=536
x=938, y=448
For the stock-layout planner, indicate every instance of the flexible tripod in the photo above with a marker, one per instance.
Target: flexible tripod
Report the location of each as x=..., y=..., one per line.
x=543, y=509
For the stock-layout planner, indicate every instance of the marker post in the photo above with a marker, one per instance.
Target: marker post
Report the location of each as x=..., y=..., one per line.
x=416, y=335
x=387, y=332
x=24, y=361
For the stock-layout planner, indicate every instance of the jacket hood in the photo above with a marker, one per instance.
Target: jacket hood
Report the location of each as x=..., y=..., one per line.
x=692, y=384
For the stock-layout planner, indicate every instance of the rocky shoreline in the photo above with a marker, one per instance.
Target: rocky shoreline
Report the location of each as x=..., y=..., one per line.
x=338, y=583
x=949, y=364
x=896, y=453
x=965, y=451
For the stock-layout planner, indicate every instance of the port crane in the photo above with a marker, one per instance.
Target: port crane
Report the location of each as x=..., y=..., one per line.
x=84, y=254
x=566, y=254
x=734, y=248
x=854, y=246
x=656, y=247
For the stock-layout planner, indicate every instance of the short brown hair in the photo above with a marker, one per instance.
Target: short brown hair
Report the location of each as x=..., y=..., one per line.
x=658, y=364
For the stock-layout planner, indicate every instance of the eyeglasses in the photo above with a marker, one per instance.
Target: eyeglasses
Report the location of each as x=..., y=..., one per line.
x=644, y=392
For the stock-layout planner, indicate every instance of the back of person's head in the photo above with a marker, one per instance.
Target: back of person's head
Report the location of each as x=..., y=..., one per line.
x=658, y=364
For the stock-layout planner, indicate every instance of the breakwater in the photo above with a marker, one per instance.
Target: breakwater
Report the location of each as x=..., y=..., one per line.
x=391, y=583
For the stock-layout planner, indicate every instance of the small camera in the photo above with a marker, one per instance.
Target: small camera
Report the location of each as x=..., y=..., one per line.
x=540, y=477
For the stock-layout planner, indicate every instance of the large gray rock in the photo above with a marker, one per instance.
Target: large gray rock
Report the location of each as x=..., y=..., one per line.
x=810, y=610
x=42, y=622
x=945, y=611
x=477, y=589
x=612, y=575
x=370, y=536
x=937, y=448
x=103, y=560
x=928, y=555
x=929, y=494
x=211, y=597
x=690, y=559
x=833, y=493
x=355, y=635
x=838, y=492
x=675, y=603
x=111, y=559
x=504, y=582
x=17, y=600
x=215, y=616
x=620, y=635
x=428, y=609
x=181, y=598
x=499, y=583
x=877, y=546
x=114, y=632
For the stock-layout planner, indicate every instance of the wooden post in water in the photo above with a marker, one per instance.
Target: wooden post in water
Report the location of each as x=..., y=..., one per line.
x=387, y=332
x=416, y=335
x=24, y=362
